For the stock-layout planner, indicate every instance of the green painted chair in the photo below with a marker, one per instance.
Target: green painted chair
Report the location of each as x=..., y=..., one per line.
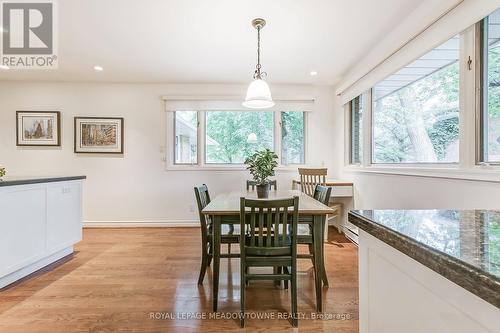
x=230, y=234
x=252, y=183
x=322, y=194
x=268, y=238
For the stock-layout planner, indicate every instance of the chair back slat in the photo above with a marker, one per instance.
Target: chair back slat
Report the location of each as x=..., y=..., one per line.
x=252, y=183
x=269, y=224
x=202, y=200
x=322, y=194
x=252, y=226
x=266, y=224
x=261, y=225
x=310, y=177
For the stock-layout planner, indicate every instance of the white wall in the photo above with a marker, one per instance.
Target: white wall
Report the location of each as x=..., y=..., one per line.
x=135, y=187
x=382, y=191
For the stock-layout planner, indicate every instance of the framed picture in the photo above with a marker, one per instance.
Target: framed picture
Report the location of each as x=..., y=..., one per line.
x=38, y=128
x=99, y=135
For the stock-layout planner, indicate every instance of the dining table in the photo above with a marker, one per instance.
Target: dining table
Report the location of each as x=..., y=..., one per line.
x=225, y=209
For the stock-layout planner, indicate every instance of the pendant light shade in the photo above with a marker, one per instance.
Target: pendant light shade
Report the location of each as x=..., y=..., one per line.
x=258, y=95
x=252, y=138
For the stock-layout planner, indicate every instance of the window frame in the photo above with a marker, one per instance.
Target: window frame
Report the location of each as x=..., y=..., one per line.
x=482, y=95
x=169, y=149
x=351, y=132
x=470, y=166
x=436, y=164
x=175, y=141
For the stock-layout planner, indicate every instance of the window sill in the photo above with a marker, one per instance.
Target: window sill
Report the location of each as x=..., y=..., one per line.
x=238, y=167
x=476, y=173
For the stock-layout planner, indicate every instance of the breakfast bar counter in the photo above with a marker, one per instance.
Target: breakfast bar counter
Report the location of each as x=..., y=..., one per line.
x=429, y=270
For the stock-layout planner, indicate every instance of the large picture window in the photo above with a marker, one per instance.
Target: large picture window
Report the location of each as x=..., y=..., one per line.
x=490, y=79
x=216, y=139
x=416, y=110
x=232, y=136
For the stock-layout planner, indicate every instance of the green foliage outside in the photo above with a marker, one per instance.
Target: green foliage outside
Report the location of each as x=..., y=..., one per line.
x=494, y=103
x=230, y=129
x=419, y=123
x=292, y=137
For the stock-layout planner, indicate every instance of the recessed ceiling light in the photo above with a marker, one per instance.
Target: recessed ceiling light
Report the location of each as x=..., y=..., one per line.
x=4, y=67
x=314, y=73
x=98, y=68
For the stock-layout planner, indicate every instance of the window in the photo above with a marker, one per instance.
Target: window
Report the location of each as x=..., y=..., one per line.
x=490, y=79
x=232, y=136
x=292, y=138
x=186, y=137
x=219, y=139
x=356, y=114
x=416, y=110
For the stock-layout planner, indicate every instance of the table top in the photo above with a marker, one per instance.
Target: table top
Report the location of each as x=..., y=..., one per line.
x=229, y=203
x=461, y=245
x=333, y=182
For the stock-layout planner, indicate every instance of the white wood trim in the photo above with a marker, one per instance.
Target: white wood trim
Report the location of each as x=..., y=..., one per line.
x=477, y=173
x=347, y=133
x=467, y=100
x=142, y=224
x=296, y=98
x=367, y=134
x=425, y=28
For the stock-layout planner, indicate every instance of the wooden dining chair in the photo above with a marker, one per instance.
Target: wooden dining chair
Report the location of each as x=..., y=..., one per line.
x=309, y=178
x=305, y=234
x=252, y=183
x=266, y=240
x=230, y=234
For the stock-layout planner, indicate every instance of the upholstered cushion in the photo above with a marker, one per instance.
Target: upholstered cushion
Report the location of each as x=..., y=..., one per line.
x=303, y=229
x=227, y=229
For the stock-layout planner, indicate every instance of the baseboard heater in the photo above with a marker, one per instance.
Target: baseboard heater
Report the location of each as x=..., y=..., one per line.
x=351, y=232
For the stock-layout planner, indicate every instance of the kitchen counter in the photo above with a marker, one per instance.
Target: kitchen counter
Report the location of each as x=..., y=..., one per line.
x=11, y=181
x=40, y=221
x=453, y=254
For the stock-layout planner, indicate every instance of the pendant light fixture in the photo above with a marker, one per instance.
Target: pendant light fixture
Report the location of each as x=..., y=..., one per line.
x=258, y=93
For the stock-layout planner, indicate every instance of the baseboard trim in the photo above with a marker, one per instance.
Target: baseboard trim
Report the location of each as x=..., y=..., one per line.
x=142, y=224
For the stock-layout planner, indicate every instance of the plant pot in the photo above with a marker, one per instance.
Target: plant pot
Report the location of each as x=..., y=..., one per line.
x=262, y=191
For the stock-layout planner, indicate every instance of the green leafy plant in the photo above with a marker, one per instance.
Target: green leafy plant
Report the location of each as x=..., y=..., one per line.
x=261, y=165
x=2, y=171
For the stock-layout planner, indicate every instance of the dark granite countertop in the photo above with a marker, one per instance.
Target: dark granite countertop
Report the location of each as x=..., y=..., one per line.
x=461, y=245
x=11, y=181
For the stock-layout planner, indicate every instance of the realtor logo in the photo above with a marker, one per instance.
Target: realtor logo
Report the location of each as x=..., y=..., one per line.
x=28, y=35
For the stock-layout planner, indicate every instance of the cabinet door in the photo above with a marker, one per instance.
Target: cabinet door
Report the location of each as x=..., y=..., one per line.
x=22, y=226
x=64, y=215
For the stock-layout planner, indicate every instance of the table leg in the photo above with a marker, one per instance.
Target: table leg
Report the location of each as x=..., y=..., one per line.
x=318, y=245
x=216, y=259
x=324, y=277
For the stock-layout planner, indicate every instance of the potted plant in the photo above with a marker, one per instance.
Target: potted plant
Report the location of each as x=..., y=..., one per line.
x=2, y=171
x=261, y=166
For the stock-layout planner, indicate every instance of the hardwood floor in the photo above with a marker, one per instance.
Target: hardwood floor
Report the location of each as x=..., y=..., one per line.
x=123, y=280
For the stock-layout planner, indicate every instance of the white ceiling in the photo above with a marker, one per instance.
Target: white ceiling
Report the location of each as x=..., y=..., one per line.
x=200, y=41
